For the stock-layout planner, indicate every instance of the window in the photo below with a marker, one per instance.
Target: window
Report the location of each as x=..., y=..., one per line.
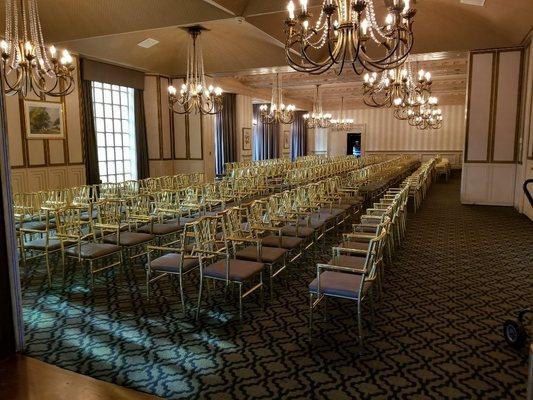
x=114, y=122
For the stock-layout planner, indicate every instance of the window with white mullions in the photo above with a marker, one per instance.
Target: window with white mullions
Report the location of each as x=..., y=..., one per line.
x=114, y=122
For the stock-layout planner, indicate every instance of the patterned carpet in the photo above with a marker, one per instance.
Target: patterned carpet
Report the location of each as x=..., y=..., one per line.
x=460, y=273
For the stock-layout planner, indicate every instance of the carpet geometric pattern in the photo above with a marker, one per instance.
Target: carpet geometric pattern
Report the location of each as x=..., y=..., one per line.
x=461, y=271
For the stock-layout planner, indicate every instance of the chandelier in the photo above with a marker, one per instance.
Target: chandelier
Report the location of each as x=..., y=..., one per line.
x=318, y=119
x=419, y=107
x=426, y=115
x=27, y=66
x=347, y=32
x=394, y=86
x=278, y=112
x=194, y=94
x=342, y=124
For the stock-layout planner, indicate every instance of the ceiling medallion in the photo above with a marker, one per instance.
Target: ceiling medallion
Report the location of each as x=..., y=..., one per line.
x=347, y=32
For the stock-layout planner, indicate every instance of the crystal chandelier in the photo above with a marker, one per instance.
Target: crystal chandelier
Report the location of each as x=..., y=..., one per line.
x=194, y=94
x=27, y=66
x=318, y=119
x=342, y=124
x=426, y=115
x=394, y=86
x=347, y=32
x=278, y=112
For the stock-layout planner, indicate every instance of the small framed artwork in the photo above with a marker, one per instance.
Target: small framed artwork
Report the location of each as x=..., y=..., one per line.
x=44, y=120
x=247, y=138
x=286, y=140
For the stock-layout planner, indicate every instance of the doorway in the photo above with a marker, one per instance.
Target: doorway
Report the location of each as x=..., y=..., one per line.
x=353, y=144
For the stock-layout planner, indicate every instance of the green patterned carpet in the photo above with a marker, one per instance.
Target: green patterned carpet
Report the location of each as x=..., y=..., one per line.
x=460, y=273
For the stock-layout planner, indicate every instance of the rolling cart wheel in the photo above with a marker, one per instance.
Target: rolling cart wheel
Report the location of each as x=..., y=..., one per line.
x=514, y=333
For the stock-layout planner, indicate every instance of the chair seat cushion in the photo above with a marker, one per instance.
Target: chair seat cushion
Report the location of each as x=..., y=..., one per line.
x=40, y=244
x=160, y=229
x=287, y=242
x=301, y=231
x=239, y=270
x=268, y=254
x=93, y=250
x=335, y=283
x=129, y=238
x=348, y=261
x=36, y=225
x=354, y=245
x=334, y=212
x=171, y=262
x=86, y=217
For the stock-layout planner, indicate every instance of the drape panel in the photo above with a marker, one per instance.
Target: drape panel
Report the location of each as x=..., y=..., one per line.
x=226, y=132
x=266, y=138
x=107, y=73
x=141, y=141
x=299, y=135
x=92, y=172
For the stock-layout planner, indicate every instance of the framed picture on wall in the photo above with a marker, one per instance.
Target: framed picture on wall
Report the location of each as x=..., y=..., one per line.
x=247, y=138
x=286, y=140
x=44, y=120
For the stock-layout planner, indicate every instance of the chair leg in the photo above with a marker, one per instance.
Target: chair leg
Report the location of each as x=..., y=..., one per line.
x=47, y=260
x=148, y=283
x=240, y=302
x=359, y=323
x=182, y=297
x=261, y=291
x=200, y=297
x=310, y=315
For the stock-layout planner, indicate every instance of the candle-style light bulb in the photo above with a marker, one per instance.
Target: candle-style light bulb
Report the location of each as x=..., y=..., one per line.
x=428, y=76
x=53, y=51
x=290, y=9
x=4, y=46
x=389, y=19
x=406, y=6
x=303, y=3
x=364, y=26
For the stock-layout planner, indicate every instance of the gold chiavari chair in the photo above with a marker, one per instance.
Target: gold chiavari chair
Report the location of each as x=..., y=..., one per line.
x=218, y=261
x=175, y=259
x=347, y=277
x=79, y=243
x=271, y=236
x=112, y=227
x=142, y=218
x=273, y=257
x=38, y=243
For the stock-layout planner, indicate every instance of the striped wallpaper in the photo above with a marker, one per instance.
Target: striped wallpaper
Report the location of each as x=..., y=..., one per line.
x=384, y=132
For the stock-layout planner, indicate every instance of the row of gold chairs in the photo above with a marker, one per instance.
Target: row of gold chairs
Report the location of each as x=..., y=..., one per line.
x=262, y=237
x=356, y=269
x=128, y=215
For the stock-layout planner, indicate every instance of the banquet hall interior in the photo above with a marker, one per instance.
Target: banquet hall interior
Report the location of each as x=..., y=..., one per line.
x=282, y=199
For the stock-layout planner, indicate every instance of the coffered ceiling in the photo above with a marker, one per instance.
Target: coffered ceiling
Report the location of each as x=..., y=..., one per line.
x=245, y=37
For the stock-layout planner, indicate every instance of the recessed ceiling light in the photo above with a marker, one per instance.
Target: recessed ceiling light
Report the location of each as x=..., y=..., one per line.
x=480, y=3
x=147, y=43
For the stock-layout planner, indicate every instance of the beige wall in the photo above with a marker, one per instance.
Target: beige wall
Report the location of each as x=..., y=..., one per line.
x=45, y=164
x=493, y=127
x=176, y=143
x=384, y=134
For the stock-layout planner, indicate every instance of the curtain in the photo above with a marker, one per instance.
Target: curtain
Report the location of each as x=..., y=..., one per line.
x=141, y=143
x=266, y=138
x=226, y=132
x=92, y=173
x=299, y=135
